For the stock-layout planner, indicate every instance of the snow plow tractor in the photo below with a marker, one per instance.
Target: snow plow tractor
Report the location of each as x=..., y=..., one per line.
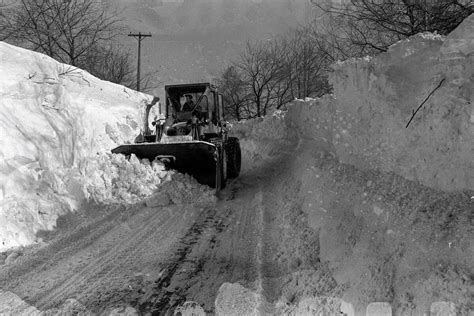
x=192, y=136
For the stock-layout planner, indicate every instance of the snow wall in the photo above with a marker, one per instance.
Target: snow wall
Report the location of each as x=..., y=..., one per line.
x=371, y=227
x=57, y=127
x=364, y=122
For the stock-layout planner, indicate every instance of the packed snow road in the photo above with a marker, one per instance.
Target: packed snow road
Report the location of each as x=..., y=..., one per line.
x=297, y=233
x=154, y=258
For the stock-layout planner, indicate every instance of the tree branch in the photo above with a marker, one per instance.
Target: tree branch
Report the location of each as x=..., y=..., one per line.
x=421, y=105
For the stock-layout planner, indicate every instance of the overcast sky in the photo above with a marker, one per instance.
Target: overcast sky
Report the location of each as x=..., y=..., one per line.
x=193, y=40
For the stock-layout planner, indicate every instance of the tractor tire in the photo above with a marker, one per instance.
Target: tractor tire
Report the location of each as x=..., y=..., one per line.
x=223, y=166
x=234, y=157
x=220, y=176
x=220, y=179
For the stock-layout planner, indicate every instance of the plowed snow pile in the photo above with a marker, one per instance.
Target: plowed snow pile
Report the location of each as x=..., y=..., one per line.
x=387, y=210
x=369, y=118
x=57, y=124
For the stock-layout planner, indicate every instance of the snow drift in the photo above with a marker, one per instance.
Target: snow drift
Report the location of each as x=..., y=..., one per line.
x=365, y=122
x=384, y=237
x=56, y=124
x=346, y=159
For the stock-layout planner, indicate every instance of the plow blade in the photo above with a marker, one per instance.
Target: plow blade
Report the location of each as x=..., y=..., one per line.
x=196, y=158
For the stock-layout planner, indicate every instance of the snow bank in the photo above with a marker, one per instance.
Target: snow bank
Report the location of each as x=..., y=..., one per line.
x=365, y=122
x=380, y=237
x=114, y=179
x=56, y=123
x=12, y=304
x=261, y=139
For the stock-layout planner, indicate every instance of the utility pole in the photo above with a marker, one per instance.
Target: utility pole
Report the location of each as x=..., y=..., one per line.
x=140, y=38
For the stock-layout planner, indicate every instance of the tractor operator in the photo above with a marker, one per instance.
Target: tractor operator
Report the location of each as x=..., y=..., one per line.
x=189, y=104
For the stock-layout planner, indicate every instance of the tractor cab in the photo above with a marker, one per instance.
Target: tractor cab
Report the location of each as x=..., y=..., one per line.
x=194, y=109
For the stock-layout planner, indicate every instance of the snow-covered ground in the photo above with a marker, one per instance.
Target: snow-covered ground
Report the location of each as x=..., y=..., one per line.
x=57, y=127
x=59, y=123
x=339, y=206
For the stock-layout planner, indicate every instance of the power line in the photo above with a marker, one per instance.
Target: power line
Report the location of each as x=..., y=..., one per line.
x=140, y=38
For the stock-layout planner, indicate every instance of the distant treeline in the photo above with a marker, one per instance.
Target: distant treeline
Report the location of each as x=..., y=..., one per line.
x=268, y=74
x=81, y=33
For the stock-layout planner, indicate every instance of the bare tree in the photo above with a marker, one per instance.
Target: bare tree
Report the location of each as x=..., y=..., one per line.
x=260, y=65
x=233, y=90
x=7, y=31
x=270, y=74
x=359, y=27
x=81, y=33
x=306, y=64
x=110, y=63
x=64, y=30
x=4, y=23
x=148, y=81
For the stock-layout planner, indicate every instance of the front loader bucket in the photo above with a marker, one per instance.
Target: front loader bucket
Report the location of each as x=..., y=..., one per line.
x=196, y=158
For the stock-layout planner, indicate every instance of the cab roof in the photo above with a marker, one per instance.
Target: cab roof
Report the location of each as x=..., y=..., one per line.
x=190, y=87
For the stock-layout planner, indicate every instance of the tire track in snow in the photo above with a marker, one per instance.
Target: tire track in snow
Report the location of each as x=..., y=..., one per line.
x=78, y=281
x=259, y=209
x=128, y=253
x=158, y=298
x=225, y=244
x=96, y=273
